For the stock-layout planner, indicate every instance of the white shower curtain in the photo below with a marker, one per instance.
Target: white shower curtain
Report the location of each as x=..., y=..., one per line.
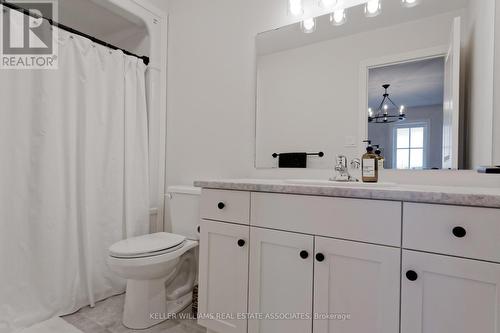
x=73, y=179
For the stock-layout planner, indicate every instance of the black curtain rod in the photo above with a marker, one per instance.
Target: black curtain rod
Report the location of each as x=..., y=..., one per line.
x=71, y=30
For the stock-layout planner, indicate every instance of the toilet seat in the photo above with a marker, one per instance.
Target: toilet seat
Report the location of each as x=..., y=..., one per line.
x=147, y=246
x=151, y=260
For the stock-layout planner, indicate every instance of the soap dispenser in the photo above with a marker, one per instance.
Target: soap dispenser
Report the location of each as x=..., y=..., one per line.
x=369, y=164
x=380, y=158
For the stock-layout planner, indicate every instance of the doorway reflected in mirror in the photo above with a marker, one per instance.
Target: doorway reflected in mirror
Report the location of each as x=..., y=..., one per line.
x=414, y=141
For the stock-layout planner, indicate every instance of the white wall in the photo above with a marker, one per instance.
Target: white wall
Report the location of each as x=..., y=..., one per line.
x=134, y=39
x=161, y=4
x=210, y=119
x=480, y=77
x=308, y=97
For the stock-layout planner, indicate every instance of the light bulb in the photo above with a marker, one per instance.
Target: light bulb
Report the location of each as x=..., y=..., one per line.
x=373, y=8
x=309, y=25
x=402, y=110
x=370, y=112
x=386, y=107
x=410, y=3
x=328, y=3
x=295, y=8
x=338, y=17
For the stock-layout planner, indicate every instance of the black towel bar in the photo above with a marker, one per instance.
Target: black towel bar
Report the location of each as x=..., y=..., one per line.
x=320, y=154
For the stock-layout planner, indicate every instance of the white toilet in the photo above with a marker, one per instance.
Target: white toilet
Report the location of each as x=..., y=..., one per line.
x=161, y=268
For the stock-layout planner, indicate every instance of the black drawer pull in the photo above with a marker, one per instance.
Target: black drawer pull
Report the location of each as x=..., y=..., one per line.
x=320, y=257
x=459, y=232
x=304, y=254
x=412, y=275
x=221, y=205
x=241, y=242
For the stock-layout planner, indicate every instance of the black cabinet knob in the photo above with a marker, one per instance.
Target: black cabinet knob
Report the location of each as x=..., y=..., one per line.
x=241, y=242
x=412, y=275
x=320, y=257
x=459, y=232
x=304, y=254
x=198, y=229
x=221, y=205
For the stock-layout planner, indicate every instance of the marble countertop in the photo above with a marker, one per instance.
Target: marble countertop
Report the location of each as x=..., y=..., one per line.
x=449, y=195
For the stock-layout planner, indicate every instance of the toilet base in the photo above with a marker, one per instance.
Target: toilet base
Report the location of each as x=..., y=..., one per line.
x=145, y=304
x=146, y=300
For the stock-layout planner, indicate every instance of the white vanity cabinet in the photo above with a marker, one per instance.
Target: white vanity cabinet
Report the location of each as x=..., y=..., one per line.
x=457, y=289
x=281, y=281
x=449, y=295
x=223, y=280
x=358, y=280
x=345, y=265
x=469, y=232
x=355, y=287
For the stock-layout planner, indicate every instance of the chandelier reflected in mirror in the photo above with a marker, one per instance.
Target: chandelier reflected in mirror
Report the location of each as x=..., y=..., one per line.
x=388, y=111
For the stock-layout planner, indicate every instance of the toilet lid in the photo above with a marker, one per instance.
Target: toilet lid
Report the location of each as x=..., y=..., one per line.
x=147, y=244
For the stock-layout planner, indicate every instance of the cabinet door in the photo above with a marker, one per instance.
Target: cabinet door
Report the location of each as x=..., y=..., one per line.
x=449, y=295
x=357, y=285
x=223, y=276
x=281, y=281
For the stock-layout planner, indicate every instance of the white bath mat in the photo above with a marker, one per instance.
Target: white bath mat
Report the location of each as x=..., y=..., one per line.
x=54, y=325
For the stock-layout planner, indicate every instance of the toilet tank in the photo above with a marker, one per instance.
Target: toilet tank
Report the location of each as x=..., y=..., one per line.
x=184, y=203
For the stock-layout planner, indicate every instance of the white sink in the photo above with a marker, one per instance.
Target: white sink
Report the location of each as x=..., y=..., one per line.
x=338, y=184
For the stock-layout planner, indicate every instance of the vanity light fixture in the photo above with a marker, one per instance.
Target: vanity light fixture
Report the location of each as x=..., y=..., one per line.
x=308, y=25
x=410, y=3
x=373, y=8
x=295, y=8
x=329, y=3
x=383, y=114
x=338, y=17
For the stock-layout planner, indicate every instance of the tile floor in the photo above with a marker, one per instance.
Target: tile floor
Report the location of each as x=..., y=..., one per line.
x=106, y=317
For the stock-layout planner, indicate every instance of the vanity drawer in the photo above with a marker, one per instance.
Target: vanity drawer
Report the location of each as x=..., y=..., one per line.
x=369, y=221
x=227, y=206
x=454, y=230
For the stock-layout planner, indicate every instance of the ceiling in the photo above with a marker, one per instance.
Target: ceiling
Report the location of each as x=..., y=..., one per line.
x=413, y=84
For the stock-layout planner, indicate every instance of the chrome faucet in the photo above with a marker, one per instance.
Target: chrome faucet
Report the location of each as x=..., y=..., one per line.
x=356, y=164
x=341, y=169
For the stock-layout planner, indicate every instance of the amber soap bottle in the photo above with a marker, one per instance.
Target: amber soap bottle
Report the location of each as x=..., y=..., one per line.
x=369, y=165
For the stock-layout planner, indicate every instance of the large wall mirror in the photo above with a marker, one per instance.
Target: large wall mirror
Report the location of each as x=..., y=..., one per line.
x=415, y=80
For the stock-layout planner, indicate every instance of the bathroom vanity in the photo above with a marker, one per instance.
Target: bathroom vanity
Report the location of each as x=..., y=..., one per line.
x=279, y=257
